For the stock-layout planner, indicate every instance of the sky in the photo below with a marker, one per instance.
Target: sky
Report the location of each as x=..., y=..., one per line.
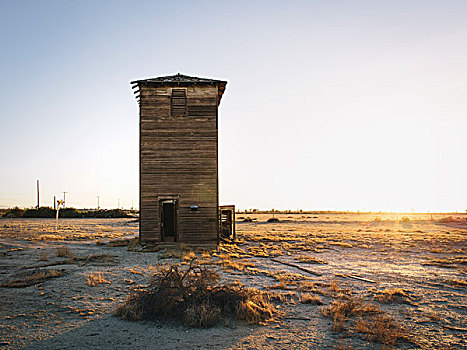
x=330, y=105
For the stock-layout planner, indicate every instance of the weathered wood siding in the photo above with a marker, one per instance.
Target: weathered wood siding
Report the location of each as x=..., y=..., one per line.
x=178, y=157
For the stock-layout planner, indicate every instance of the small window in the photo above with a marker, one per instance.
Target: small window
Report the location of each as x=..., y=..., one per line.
x=178, y=103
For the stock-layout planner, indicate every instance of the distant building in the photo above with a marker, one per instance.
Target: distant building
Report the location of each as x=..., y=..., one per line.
x=179, y=197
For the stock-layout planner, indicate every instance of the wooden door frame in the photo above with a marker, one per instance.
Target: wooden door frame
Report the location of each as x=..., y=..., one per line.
x=175, y=200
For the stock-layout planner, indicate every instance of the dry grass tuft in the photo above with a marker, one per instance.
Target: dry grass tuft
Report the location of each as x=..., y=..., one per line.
x=96, y=278
x=255, y=307
x=64, y=252
x=341, y=244
x=193, y=296
x=394, y=295
x=335, y=288
x=308, y=298
x=227, y=263
x=310, y=259
x=339, y=310
x=380, y=328
x=31, y=278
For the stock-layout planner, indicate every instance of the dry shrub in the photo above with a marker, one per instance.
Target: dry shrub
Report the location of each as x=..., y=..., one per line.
x=449, y=219
x=405, y=219
x=64, y=252
x=43, y=256
x=95, y=278
x=308, y=298
x=273, y=220
x=31, y=278
x=192, y=295
x=380, y=328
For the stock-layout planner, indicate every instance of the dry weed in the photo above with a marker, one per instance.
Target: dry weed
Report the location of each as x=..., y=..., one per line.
x=188, y=256
x=137, y=271
x=308, y=298
x=380, y=328
x=256, y=308
x=281, y=285
x=339, y=310
x=94, y=279
x=394, y=295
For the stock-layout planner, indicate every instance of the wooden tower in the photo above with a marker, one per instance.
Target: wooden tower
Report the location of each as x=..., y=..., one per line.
x=179, y=199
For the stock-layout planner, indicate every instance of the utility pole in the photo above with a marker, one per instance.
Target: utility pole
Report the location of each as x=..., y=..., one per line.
x=98, y=202
x=55, y=203
x=64, y=192
x=118, y=207
x=37, y=194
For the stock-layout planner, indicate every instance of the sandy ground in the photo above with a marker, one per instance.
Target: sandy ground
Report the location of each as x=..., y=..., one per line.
x=418, y=254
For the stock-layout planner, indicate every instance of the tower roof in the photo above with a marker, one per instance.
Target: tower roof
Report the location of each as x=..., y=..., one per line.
x=183, y=80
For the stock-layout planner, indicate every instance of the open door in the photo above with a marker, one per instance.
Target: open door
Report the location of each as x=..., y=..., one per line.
x=168, y=220
x=227, y=221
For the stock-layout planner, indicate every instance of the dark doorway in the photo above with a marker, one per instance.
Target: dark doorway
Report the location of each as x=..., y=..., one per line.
x=168, y=220
x=227, y=221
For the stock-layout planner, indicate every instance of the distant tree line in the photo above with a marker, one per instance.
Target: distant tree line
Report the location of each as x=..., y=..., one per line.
x=48, y=212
